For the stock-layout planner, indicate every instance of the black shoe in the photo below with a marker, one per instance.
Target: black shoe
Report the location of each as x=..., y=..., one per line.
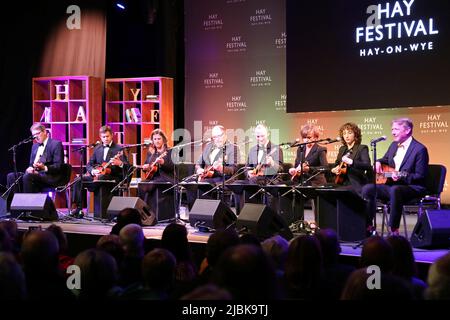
x=371, y=231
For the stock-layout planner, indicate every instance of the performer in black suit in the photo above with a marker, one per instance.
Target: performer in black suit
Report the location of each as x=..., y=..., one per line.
x=158, y=167
x=352, y=166
x=46, y=160
x=265, y=157
x=106, y=153
x=213, y=166
x=409, y=160
x=209, y=166
x=313, y=156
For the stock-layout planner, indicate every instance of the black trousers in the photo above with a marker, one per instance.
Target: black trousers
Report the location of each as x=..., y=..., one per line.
x=397, y=195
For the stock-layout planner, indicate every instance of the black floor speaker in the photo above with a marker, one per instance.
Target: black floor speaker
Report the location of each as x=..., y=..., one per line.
x=343, y=211
x=213, y=214
x=262, y=221
x=117, y=204
x=33, y=206
x=432, y=230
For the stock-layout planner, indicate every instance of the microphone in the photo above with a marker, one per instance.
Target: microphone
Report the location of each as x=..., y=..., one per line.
x=382, y=138
x=333, y=140
x=147, y=144
x=291, y=144
x=92, y=145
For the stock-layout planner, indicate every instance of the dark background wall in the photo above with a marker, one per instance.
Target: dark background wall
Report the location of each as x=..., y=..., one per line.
x=146, y=39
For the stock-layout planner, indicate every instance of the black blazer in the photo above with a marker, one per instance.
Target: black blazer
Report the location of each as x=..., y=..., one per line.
x=165, y=171
x=360, y=171
x=415, y=163
x=276, y=154
x=97, y=159
x=317, y=157
x=231, y=158
x=52, y=157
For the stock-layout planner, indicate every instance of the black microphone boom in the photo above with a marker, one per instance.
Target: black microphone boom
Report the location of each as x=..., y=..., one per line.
x=382, y=138
x=333, y=140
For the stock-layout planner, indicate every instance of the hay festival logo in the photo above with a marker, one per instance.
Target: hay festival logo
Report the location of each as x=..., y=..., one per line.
x=391, y=24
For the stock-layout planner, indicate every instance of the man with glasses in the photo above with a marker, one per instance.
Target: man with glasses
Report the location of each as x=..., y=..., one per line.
x=217, y=163
x=46, y=160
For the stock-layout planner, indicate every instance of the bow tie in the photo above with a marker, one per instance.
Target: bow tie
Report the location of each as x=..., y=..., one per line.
x=400, y=145
x=40, y=144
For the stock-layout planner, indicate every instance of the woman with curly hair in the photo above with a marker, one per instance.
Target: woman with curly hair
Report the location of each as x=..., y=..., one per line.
x=352, y=167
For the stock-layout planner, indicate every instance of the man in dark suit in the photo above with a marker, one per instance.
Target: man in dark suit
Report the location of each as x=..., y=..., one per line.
x=266, y=157
x=210, y=166
x=46, y=160
x=213, y=166
x=406, y=156
x=106, y=163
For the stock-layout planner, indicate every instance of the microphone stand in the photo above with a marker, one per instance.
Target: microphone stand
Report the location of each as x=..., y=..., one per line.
x=13, y=149
x=373, y=210
x=236, y=174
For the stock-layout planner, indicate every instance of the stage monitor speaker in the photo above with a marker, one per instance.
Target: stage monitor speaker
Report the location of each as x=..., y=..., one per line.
x=213, y=214
x=343, y=211
x=117, y=204
x=432, y=230
x=33, y=206
x=262, y=221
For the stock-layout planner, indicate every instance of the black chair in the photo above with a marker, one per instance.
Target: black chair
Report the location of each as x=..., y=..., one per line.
x=434, y=183
x=66, y=170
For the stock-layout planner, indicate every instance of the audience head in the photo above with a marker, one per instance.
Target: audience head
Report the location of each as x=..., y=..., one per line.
x=377, y=251
x=12, y=279
x=247, y=273
x=329, y=244
x=126, y=216
x=5, y=241
x=158, y=269
x=208, y=292
x=174, y=239
x=60, y=236
x=387, y=287
x=40, y=251
x=98, y=274
x=439, y=279
x=110, y=243
x=404, y=262
x=132, y=240
x=276, y=247
x=218, y=242
x=304, y=266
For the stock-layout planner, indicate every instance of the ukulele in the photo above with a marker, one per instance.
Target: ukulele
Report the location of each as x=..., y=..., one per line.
x=153, y=167
x=382, y=177
x=299, y=171
x=105, y=167
x=259, y=169
x=209, y=170
x=342, y=171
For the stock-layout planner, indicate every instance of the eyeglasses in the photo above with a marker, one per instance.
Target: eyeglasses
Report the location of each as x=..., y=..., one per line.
x=218, y=136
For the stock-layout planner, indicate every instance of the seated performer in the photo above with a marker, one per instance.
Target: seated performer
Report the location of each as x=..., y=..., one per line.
x=46, y=161
x=352, y=165
x=313, y=156
x=106, y=163
x=218, y=161
x=158, y=167
x=408, y=159
x=265, y=157
x=209, y=166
